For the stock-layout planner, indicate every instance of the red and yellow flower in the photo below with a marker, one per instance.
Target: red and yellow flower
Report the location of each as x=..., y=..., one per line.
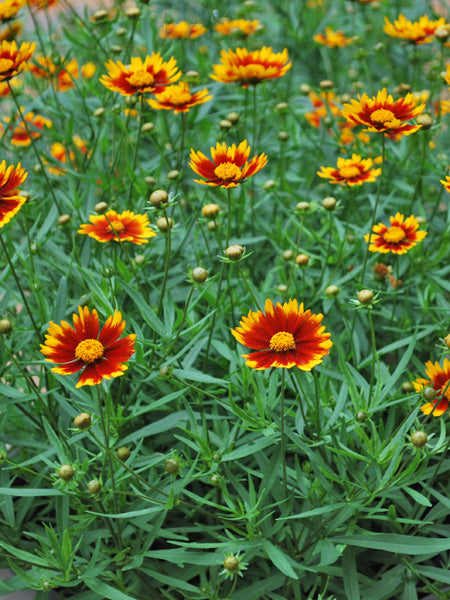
x=10, y=8
x=182, y=30
x=35, y=125
x=284, y=336
x=10, y=199
x=398, y=238
x=13, y=59
x=60, y=153
x=229, y=166
x=11, y=31
x=324, y=104
x=251, y=68
x=438, y=380
x=123, y=227
x=179, y=98
x=416, y=32
x=97, y=354
x=39, y=4
x=152, y=75
x=243, y=26
x=446, y=74
x=64, y=73
x=446, y=183
x=333, y=39
x=350, y=171
x=381, y=114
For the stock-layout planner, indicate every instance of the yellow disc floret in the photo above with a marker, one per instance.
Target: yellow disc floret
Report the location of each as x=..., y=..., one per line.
x=282, y=341
x=227, y=170
x=89, y=350
x=349, y=172
x=382, y=116
x=394, y=235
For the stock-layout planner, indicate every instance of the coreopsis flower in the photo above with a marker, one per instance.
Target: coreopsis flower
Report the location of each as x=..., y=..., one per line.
x=398, y=238
x=182, y=30
x=251, y=68
x=332, y=39
x=438, y=380
x=10, y=8
x=39, y=4
x=446, y=74
x=10, y=199
x=11, y=31
x=229, y=165
x=324, y=104
x=13, y=59
x=123, y=227
x=5, y=89
x=243, y=26
x=98, y=354
x=60, y=153
x=178, y=98
x=64, y=72
x=152, y=75
x=350, y=171
x=381, y=114
x=35, y=124
x=284, y=336
x=446, y=183
x=417, y=32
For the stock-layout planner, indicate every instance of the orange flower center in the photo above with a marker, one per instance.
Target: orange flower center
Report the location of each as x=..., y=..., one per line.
x=141, y=78
x=5, y=64
x=394, y=235
x=282, y=341
x=227, y=170
x=89, y=350
x=349, y=172
x=382, y=116
x=116, y=226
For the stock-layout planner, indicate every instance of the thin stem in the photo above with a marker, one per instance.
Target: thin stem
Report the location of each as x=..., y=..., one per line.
x=166, y=264
x=374, y=355
x=228, y=217
x=136, y=149
x=283, y=436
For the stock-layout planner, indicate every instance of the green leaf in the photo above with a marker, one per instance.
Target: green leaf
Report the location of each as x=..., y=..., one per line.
x=417, y=496
x=350, y=574
x=393, y=542
x=279, y=559
x=30, y=492
x=104, y=590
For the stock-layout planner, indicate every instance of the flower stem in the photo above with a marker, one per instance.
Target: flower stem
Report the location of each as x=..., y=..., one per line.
x=228, y=218
x=166, y=265
x=374, y=355
x=136, y=149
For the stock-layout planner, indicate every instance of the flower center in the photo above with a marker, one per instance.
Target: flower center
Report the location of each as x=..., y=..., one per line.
x=116, y=226
x=227, y=170
x=282, y=341
x=394, y=235
x=141, y=78
x=89, y=350
x=5, y=64
x=349, y=172
x=382, y=116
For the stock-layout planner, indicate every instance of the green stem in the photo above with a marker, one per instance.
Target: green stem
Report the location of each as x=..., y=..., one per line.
x=283, y=436
x=374, y=355
x=228, y=218
x=136, y=149
x=166, y=265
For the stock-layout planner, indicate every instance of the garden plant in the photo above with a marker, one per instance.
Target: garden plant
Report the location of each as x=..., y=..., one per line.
x=224, y=299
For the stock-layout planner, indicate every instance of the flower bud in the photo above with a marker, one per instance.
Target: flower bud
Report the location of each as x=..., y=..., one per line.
x=101, y=207
x=326, y=84
x=149, y=180
x=442, y=33
x=192, y=76
x=425, y=120
x=288, y=255
x=365, y=296
x=199, y=274
x=302, y=260
x=303, y=206
x=233, y=117
x=269, y=184
x=159, y=198
x=100, y=15
x=212, y=225
x=171, y=466
x=234, y=252
x=147, y=127
x=210, y=211
x=231, y=563
x=419, y=439
x=123, y=452
x=82, y=421
x=133, y=12
x=407, y=387
x=94, y=486
x=164, y=223
x=225, y=124
x=332, y=290
x=66, y=472
x=172, y=175
x=64, y=219
x=361, y=416
x=305, y=89
x=116, y=49
x=283, y=136
x=139, y=259
x=429, y=394
x=5, y=325
x=215, y=479
x=447, y=340
x=282, y=107
x=329, y=203
x=99, y=112
x=282, y=288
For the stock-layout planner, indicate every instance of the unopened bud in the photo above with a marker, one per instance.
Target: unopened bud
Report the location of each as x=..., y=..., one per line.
x=64, y=219
x=147, y=127
x=164, y=223
x=5, y=326
x=234, y=252
x=101, y=207
x=303, y=206
x=419, y=439
x=365, y=296
x=332, y=290
x=172, y=175
x=159, y=198
x=210, y=211
x=288, y=255
x=66, y=472
x=94, y=486
x=329, y=203
x=123, y=452
x=82, y=421
x=233, y=117
x=99, y=112
x=225, y=124
x=302, y=260
x=133, y=12
x=199, y=274
x=171, y=466
x=425, y=120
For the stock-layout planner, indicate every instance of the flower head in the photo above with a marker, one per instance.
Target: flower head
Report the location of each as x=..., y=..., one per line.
x=35, y=125
x=332, y=39
x=64, y=72
x=13, y=59
x=43, y=3
x=180, y=30
x=123, y=227
x=350, y=171
x=416, y=32
x=381, y=114
x=438, y=380
x=229, y=166
x=324, y=104
x=83, y=348
x=179, y=98
x=251, y=68
x=243, y=26
x=285, y=336
x=62, y=155
x=398, y=238
x=10, y=199
x=10, y=8
x=446, y=183
x=152, y=74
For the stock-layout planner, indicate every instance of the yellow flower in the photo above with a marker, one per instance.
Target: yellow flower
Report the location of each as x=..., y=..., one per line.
x=180, y=30
x=417, y=32
x=332, y=39
x=398, y=238
x=350, y=171
x=10, y=8
x=243, y=26
x=178, y=98
x=13, y=59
